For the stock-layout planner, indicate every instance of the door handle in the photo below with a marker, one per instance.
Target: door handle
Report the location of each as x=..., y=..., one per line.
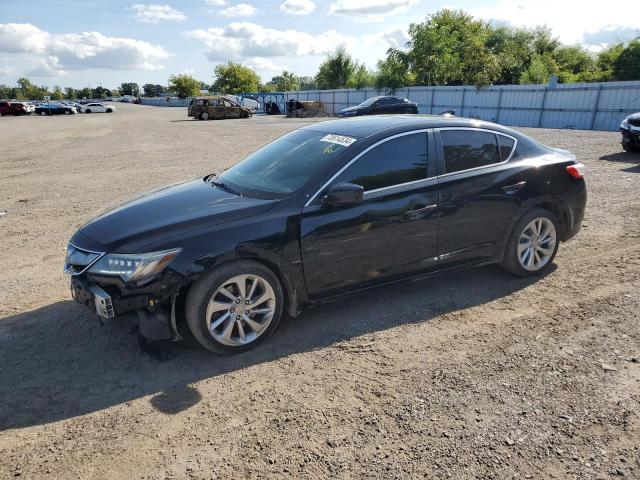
x=418, y=212
x=515, y=188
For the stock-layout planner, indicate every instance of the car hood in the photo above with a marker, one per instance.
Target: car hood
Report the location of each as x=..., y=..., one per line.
x=634, y=116
x=171, y=210
x=351, y=109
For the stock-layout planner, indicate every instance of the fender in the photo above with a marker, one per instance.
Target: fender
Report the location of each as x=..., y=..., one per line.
x=554, y=203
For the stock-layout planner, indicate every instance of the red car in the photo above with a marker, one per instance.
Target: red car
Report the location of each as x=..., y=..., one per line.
x=12, y=108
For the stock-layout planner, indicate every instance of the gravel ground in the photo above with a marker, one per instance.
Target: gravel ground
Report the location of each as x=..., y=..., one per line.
x=475, y=375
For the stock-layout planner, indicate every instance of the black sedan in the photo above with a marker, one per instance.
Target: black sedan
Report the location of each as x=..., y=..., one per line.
x=379, y=106
x=322, y=211
x=55, y=109
x=630, y=128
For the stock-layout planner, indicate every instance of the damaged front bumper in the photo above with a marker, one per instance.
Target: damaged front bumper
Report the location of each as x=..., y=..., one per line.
x=152, y=306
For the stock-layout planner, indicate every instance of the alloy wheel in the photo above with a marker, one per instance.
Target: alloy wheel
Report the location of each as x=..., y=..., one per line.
x=240, y=310
x=536, y=244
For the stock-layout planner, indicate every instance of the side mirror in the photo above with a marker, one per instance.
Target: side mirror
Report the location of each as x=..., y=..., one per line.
x=343, y=194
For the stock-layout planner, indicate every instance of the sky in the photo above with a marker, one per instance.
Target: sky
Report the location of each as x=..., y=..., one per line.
x=81, y=43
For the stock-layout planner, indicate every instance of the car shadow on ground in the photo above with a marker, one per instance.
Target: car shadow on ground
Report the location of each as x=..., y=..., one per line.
x=59, y=361
x=625, y=157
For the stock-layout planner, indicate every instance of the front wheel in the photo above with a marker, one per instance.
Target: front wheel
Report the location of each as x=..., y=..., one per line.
x=88, y=110
x=235, y=307
x=533, y=244
x=109, y=110
x=204, y=116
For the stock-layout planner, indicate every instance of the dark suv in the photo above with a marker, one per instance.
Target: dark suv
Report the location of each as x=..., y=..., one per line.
x=324, y=210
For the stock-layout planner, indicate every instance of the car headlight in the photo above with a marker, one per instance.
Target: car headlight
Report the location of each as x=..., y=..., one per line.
x=136, y=266
x=624, y=125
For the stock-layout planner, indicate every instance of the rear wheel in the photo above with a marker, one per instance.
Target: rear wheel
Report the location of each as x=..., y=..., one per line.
x=109, y=110
x=235, y=307
x=533, y=244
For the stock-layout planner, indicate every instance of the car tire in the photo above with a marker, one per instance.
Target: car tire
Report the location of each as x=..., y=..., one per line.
x=216, y=307
x=67, y=112
x=630, y=148
x=244, y=115
x=533, y=244
x=204, y=116
x=88, y=110
x=109, y=110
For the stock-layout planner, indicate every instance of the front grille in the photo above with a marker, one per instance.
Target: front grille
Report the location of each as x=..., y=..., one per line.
x=78, y=259
x=634, y=121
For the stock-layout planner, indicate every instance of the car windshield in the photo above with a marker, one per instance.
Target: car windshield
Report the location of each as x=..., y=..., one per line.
x=285, y=165
x=369, y=101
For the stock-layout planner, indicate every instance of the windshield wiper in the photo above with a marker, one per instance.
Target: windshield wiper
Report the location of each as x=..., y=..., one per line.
x=226, y=187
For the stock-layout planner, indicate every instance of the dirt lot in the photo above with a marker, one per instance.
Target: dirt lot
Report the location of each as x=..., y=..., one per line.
x=472, y=375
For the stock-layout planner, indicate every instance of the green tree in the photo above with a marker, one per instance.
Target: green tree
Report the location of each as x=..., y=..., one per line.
x=540, y=70
x=449, y=48
x=286, y=82
x=393, y=72
x=307, y=83
x=184, y=86
x=130, y=88
x=27, y=90
x=513, y=48
x=57, y=93
x=7, y=92
x=606, y=61
x=84, y=93
x=100, y=92
x=70, y=93
x=235, y=78
x=575, y=64
x=627, y=65
x=336, y=71
x=543, y=41
x=363, y=78
x=151, y=90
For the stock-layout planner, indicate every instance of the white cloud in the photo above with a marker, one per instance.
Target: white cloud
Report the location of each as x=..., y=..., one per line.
x=297, y=7
x=568, y=19
x=244, y=39
x=370, y=10
x=156, y=13
x=55, y=53
x=239, y=10
x=610, y=34
x=395, y=38
x=266, y=68
x=22, y=37
x=216, y=3
x=5, y=70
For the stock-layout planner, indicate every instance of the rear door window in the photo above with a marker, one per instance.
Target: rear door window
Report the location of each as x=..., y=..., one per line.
x=506, y=146
x=467, y=149
x=394, y=162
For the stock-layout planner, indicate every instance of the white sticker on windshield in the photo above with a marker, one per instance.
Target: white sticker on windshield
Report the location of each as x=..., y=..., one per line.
x=338, y=139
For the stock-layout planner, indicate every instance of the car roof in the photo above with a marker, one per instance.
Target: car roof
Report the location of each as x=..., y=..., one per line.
x=365, y=126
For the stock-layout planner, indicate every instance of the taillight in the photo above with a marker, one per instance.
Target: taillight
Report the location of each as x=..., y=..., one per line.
x=577, y=170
